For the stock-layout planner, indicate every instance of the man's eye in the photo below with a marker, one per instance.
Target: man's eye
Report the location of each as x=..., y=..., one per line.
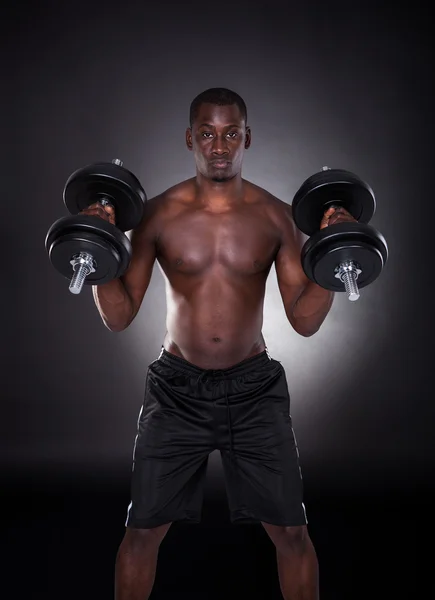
x=232, y=134
x=206, y=134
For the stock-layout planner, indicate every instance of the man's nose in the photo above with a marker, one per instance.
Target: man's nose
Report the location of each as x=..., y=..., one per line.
x=220, y=145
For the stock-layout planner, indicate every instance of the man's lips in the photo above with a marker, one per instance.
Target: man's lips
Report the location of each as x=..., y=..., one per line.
x=220, y=164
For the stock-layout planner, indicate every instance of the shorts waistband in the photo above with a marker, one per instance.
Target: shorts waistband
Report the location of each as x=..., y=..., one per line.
x=245, y=366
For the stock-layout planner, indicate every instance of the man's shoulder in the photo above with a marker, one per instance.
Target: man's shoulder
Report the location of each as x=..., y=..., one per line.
x=164, y=203
x=276, y=208
x=180, y=193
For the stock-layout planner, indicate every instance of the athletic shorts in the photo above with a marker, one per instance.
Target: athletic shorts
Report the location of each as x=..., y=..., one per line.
x=243, y=411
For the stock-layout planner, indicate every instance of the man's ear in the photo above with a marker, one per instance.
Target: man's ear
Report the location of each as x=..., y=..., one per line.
x=248, y=137
x=189, y=143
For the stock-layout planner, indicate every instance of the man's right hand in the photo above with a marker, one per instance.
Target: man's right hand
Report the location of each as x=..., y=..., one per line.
x=99, y=210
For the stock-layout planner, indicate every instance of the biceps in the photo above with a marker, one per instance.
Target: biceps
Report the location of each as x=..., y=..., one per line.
x=290, y=277
x=138, y=275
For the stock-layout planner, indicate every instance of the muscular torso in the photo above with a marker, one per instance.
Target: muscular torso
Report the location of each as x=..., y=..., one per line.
x=216, y=263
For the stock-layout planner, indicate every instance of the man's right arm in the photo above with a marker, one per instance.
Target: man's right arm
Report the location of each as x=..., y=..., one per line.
x=119, y=301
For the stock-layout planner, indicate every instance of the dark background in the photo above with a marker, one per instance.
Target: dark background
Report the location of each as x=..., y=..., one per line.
x=345, y=85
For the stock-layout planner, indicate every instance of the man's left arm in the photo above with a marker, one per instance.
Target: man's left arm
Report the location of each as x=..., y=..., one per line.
x=306, y=304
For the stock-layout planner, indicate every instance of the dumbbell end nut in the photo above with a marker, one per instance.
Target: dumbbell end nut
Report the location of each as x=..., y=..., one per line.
x=83, y=265
x=348, y=273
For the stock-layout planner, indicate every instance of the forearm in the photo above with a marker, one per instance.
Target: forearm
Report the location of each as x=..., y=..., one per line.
x=311, y=309
x=114, y=304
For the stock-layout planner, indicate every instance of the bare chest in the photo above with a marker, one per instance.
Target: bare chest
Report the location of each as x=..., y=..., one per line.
x=239, y=242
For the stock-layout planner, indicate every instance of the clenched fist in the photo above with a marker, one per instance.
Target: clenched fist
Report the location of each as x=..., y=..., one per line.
x=99, y=210
x=336, y=215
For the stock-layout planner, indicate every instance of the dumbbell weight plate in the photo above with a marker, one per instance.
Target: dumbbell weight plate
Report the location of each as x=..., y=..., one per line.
x=110, y=248
x=333, y=187
x=356, y=242
x=106, y=180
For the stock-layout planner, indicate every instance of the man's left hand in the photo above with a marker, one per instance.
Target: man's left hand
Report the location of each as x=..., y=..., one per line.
x=336, y=215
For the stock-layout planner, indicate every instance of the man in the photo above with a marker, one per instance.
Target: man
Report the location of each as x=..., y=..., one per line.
x=214, y=385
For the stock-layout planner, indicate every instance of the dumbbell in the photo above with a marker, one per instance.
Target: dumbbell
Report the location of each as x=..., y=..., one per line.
x=87, y=249
x=344, y=257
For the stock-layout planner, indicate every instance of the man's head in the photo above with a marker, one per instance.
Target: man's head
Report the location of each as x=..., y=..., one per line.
x=218, y=133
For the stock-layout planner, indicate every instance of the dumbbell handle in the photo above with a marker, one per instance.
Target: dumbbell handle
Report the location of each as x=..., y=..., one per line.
x=83, y=264
x=348, y=273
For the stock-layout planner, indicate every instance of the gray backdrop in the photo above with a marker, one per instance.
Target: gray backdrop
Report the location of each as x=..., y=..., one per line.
x=339, y=84
x=344, y=88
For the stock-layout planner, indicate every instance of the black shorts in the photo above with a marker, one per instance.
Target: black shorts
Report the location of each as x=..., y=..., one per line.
x=188, y=412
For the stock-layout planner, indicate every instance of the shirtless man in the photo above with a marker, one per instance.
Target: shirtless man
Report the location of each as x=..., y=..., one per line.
x=214, y=385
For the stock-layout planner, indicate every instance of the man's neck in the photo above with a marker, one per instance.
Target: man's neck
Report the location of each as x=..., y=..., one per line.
x=219, y=195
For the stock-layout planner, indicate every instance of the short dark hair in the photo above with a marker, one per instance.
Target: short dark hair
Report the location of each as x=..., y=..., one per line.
x=219, y=96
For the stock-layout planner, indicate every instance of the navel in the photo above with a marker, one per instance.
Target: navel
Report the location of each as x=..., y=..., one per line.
x=216, y=339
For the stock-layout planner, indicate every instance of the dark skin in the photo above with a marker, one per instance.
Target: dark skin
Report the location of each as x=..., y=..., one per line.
x=215, y=238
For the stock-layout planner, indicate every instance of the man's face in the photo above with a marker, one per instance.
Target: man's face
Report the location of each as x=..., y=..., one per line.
x=218, y=139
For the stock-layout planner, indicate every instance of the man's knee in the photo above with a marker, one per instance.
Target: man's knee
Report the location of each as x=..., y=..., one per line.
x=142, y=540
x=289, y=540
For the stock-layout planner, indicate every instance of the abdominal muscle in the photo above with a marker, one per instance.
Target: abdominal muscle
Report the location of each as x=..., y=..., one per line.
x=215, y=324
